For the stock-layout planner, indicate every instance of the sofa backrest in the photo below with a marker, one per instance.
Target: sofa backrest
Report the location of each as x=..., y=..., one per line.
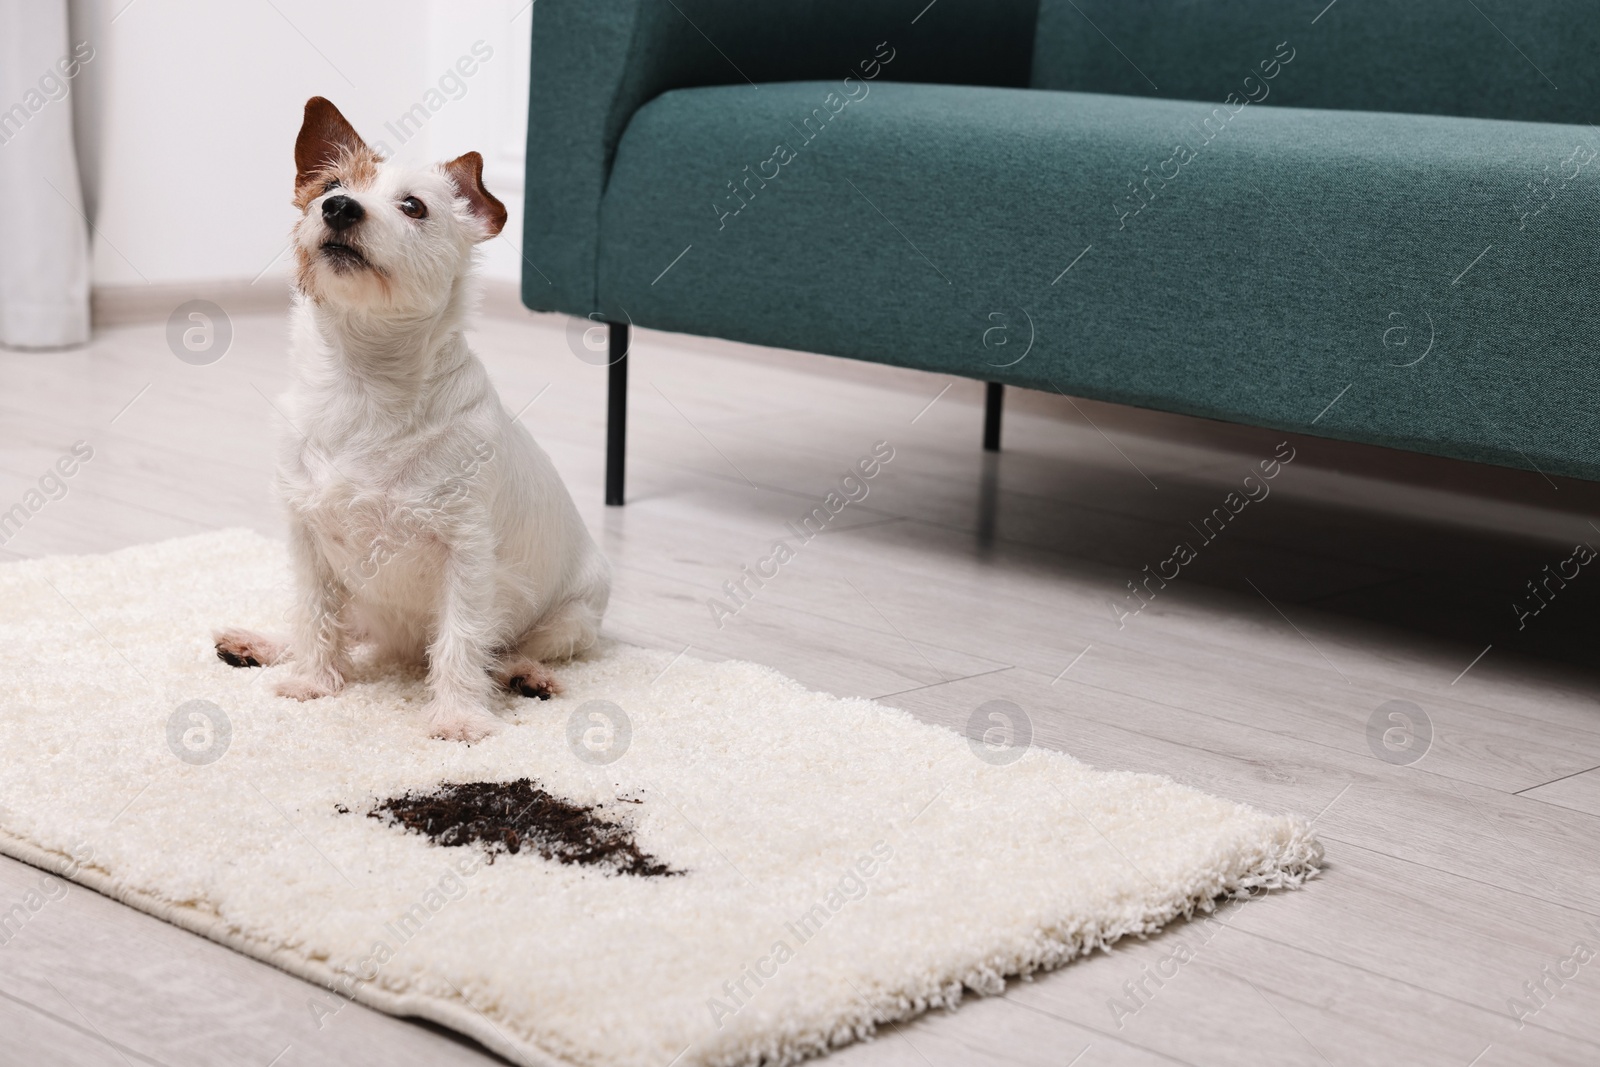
x=1535, y=60
x=596, y=62
x=711, y=42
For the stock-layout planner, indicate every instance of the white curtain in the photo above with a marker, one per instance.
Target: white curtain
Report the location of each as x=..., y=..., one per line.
x=44, y=240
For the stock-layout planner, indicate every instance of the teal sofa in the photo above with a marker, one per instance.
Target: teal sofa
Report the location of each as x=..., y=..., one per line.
x=1373, y=220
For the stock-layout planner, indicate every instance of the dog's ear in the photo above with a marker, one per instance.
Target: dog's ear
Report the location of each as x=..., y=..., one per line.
x=324, y=138
x=466, y=172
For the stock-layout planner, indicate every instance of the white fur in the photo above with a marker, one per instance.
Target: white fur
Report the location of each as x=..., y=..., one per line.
x=424, y=519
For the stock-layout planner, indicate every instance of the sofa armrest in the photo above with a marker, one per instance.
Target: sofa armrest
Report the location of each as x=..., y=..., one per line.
x=596, y=62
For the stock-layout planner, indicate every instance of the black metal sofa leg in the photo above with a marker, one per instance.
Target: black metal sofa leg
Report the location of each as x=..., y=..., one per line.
x=616, y=411
x=993, y=402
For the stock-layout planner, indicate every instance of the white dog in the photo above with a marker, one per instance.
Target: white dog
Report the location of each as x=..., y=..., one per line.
x=425, y=521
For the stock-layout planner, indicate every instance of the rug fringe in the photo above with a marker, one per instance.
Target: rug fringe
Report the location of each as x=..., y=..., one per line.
x=1296, y=862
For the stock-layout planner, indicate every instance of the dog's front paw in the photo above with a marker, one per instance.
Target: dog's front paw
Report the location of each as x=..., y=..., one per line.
x=461, y=724
x=302, y=687
x=529, y=678
x=245, y=648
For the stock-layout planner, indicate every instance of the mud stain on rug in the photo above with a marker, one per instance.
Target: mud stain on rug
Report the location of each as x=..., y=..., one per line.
x=520, y=816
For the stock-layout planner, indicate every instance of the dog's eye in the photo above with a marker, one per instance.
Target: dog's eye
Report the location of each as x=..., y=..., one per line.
x=331, y=184
x=414, y=207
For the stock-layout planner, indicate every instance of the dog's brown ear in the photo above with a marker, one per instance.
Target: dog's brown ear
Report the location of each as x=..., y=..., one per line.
x=324, y=138
x=467, y=174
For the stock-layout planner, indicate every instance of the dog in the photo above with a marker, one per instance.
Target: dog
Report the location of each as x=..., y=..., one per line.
x=425, y=521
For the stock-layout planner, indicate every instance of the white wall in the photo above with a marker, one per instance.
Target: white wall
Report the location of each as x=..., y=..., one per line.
x=187, y=118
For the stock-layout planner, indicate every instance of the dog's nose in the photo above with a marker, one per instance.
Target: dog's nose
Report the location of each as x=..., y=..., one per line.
x=341, y=212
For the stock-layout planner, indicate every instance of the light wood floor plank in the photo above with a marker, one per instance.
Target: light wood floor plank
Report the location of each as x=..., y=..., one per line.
x=1580, y=792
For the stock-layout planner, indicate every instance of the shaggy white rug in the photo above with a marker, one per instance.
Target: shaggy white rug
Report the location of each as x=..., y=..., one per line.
x=842, y=863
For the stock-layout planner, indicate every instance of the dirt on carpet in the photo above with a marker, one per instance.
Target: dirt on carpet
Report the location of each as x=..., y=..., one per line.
x=521, y=816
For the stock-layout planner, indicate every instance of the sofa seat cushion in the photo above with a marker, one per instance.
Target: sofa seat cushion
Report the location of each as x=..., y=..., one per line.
x=1424, y=282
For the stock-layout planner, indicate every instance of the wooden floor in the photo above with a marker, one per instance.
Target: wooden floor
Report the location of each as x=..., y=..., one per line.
x=1366, y=577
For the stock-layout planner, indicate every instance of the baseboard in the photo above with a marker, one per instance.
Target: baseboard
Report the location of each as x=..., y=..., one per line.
x=122, y=305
